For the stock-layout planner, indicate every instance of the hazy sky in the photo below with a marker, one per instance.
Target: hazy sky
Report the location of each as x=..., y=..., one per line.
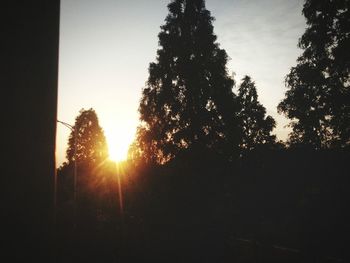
x=107, y=45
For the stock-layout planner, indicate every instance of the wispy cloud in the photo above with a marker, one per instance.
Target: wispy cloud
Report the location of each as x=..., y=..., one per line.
x=261, y=38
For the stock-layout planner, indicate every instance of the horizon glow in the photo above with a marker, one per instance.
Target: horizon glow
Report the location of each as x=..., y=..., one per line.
x=106, y=47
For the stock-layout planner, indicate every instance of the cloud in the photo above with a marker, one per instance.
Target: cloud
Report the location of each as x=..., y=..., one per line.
x=261, y=39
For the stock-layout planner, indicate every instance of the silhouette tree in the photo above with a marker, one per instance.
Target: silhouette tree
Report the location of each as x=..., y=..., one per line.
x=318, y=99
x=87, y=145
x=188, y=101
x=91, y=145
x=256, y=126
x=95, y=176
x=140, y=151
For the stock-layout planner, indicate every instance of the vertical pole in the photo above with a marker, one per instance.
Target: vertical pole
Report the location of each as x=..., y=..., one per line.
x=120, y=191
x=121, y=212
x=54, y=230
x=55, y=198
x=75, y=177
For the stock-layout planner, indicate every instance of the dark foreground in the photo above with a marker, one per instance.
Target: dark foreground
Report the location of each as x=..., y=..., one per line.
x=281, y=206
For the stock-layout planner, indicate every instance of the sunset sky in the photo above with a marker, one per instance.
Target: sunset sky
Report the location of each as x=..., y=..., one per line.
x=107, y=45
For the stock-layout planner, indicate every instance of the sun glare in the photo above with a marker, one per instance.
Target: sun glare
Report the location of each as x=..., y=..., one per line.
x=118, y=145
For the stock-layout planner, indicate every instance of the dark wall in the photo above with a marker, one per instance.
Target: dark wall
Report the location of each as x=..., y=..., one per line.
x=29, y=76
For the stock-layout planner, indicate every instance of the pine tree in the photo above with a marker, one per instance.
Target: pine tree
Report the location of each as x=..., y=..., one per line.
x=318, y=99
x=91, y=145
x=188, y=100
x=256, y=126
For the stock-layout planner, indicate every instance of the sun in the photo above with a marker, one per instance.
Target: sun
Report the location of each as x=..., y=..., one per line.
x=117, y=155
x=118, y=146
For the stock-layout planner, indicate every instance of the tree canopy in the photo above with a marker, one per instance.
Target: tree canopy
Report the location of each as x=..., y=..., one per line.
x=91, y=145
x=256, y=126
x=318, y=98
x=188, y=100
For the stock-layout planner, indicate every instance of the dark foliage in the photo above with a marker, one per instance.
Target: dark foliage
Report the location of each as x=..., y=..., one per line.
x=87, y=143
x=188, y=99
x=256, y=126
x=88, y=226
x=318, y=99
x=203, y=210
x=87, y=201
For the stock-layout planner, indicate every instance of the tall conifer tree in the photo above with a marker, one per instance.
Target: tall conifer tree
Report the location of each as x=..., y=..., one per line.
x=188, y=100
x=91, y=145
x=256, y=126
x=318, y=98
